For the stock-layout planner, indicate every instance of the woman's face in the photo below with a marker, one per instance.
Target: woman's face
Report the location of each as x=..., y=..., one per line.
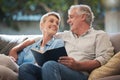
x=50, y=25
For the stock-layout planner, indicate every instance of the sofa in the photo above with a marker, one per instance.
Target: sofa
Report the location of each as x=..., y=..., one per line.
x=111, y=70
x=9, y=41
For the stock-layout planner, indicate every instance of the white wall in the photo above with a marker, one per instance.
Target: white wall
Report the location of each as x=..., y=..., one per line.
x=112, y=21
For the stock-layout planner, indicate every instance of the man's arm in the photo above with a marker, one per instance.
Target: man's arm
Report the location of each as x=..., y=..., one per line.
x=78, y=65
x=88, y=65
x=14, y=50
x=104, y=48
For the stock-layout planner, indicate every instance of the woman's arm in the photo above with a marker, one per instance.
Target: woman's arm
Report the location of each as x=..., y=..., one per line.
x=14, y=50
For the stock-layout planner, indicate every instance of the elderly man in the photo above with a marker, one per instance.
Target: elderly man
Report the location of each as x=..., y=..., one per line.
x=87, y=48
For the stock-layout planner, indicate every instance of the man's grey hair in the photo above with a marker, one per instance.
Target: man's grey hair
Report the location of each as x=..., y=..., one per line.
x=83, y=9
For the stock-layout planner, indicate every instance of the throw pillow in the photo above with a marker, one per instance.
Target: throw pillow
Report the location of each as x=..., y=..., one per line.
x=112, y=67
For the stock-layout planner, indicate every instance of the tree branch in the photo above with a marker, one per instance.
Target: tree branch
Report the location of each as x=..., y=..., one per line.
x=45, y=6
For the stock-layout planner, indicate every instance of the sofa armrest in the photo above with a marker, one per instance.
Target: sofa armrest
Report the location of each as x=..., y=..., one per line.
x=115, y=39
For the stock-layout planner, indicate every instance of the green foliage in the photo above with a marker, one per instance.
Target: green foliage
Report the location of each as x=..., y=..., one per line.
x=41, y=6
x=94, y=4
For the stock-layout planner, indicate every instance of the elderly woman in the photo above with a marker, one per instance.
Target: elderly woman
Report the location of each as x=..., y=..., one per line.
x=49, y=26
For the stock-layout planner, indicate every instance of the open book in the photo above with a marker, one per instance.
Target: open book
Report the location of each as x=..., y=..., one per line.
x=52, y=54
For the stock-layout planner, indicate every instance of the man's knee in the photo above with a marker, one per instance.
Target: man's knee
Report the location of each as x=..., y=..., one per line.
x=49, y=63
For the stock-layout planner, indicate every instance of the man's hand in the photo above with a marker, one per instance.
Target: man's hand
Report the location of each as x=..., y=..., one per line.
x=69, y=62
x=88, y=65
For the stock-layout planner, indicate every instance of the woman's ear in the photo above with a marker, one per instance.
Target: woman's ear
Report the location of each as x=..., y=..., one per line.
x=41, y=25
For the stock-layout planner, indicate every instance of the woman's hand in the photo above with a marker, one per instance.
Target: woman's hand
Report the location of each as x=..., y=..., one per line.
x=21, y=46
x=13, y=54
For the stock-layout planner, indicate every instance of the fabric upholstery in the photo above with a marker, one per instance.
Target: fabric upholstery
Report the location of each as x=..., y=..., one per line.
x=111, y=70
x=112, y=67
x=115, y=39
x=9, y=41
x=116, y=77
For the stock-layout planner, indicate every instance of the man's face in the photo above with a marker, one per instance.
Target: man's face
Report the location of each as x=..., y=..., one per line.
x=74, y=20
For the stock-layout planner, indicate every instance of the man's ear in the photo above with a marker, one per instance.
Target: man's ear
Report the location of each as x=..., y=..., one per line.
x=83, y=16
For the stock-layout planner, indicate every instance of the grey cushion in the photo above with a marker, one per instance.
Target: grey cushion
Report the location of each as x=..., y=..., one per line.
x=115, y=39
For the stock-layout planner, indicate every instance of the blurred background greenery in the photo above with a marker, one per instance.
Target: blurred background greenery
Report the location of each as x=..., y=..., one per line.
x=14, y=14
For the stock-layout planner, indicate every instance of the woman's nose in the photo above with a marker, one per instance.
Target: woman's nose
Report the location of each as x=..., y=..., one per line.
x=55, y=23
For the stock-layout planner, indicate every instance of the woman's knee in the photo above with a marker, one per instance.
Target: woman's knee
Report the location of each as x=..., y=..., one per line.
x=25, y=67
x=29, y=68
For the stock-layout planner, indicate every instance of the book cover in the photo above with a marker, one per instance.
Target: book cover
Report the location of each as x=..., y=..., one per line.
x=52, y=54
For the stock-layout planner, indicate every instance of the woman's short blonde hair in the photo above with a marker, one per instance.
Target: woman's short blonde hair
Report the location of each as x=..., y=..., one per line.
x=43, y=18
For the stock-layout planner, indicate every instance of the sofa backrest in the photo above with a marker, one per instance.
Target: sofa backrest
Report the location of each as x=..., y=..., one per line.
x=115, y=39
x=9, y=41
